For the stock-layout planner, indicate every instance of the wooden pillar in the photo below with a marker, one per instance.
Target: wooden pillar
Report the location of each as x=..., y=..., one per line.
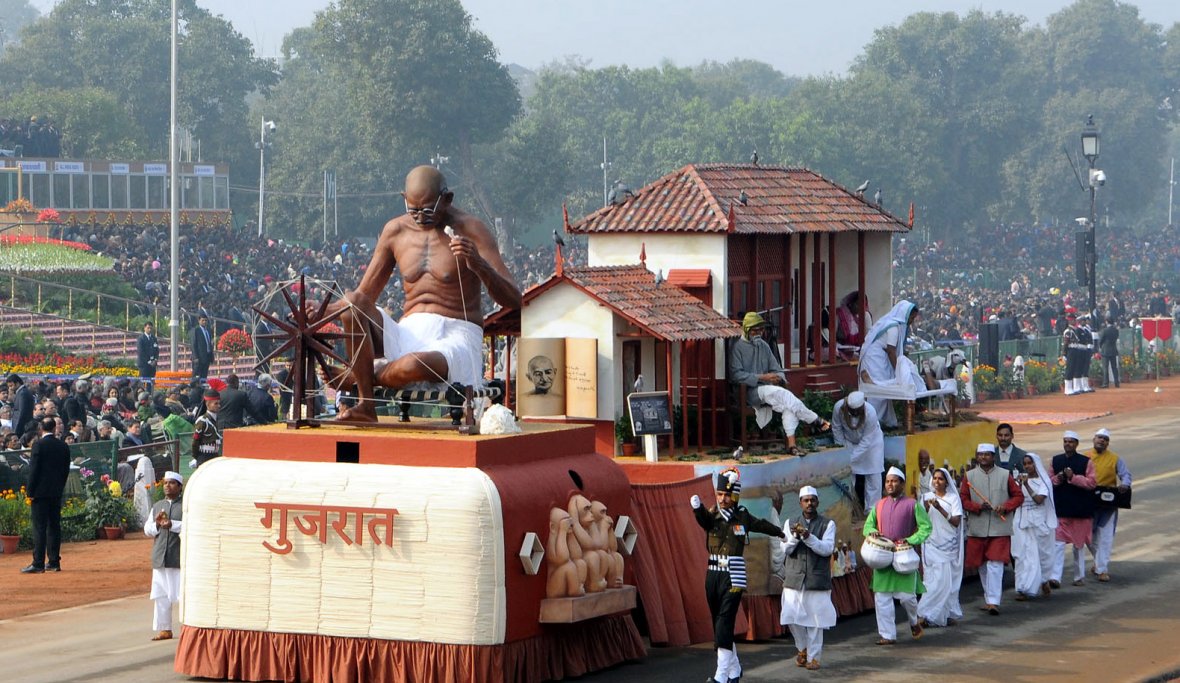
x=860, y=281
x=832, y=301
x=671, y=396
x=817, y=290
x=509, y=398
x=802, y=308
x=788, y=301
x=684, y=346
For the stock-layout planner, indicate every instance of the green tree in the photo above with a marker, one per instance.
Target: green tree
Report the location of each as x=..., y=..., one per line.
x=375, y=87
x=15, y=15
x=123, y=47
x=100, y=126
x=1096, y=57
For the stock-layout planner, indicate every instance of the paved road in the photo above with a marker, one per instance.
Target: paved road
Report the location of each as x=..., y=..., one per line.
x=1120, y=631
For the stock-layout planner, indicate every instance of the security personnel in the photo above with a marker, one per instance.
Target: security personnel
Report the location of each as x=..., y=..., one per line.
x=728, y=527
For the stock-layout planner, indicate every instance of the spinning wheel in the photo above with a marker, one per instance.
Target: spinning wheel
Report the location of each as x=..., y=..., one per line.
x=311, y=339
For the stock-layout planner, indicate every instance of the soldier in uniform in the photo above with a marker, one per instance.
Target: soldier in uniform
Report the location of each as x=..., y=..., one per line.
x=1069, y=349
x=728, y=527
x=206, y=435
x=1085, y=353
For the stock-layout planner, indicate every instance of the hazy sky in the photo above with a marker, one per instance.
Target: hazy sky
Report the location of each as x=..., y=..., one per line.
x=797, y=38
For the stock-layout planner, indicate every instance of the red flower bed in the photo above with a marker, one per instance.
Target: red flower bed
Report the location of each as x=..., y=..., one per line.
x=11, y=240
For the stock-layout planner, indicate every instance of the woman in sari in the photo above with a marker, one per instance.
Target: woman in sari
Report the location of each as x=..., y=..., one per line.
x=1033, y=530
x=883, y=360
x=942, y=549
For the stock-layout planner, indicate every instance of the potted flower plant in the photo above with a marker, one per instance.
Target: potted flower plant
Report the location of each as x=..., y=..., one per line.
x=106, y=507
x=14, y=518
x=625, y=433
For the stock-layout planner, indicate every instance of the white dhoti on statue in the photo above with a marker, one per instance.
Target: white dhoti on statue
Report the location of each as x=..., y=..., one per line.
x=459, y=342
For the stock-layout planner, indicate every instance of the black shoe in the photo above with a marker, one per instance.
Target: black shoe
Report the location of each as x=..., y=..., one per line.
x=53, y=567
x=33, y=569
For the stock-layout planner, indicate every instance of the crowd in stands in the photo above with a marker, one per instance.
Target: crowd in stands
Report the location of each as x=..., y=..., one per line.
x=1022, y=276
x=226, y=271
x=36, y=137
x=125, y=411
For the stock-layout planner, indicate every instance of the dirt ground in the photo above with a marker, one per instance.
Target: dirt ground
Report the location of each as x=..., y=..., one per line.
x=92, y=571
x=96, y=571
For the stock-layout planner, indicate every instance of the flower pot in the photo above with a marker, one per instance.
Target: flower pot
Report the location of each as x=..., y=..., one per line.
x=9, y=544
x=628, y=449
x=112, y=533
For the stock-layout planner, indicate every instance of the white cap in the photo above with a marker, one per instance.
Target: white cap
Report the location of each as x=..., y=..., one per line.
x=808, y=491
x=985, y=448
x=174, y=476
x=894, y=472
x=1103, y=432
x=856, y=399
x=1070, y=434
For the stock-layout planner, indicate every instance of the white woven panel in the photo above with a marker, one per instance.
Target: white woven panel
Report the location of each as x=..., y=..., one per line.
x=441, y=581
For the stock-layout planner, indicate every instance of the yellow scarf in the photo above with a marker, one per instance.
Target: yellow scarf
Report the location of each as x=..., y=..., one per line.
x=1105, y=467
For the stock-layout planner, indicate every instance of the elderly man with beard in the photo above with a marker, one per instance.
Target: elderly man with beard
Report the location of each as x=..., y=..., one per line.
x=1073, y=501
x=990, y=497
x=753, y=365
x=1110, y=476
x=807, y=607
x=855, y=424
x=728, y=527
x=899, y=519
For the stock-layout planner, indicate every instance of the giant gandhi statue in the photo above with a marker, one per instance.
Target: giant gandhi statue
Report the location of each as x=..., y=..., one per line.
x=446, y=256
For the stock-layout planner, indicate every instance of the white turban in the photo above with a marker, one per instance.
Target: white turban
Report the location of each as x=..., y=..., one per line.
x=808, y=491
x=856, y=399
x=894, y=472
x=985, y=448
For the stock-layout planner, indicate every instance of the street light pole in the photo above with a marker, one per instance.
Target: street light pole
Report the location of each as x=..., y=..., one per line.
x=173, y=216
x=262, y=144
x=606, y=166
x=1090, y=149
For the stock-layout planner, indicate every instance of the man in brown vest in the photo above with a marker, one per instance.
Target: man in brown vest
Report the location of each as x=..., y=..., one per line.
x=990, y=498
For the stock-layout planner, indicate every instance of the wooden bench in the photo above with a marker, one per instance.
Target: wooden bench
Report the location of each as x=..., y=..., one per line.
x=948, y=388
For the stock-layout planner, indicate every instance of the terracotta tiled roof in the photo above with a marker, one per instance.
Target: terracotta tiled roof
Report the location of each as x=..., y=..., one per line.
x=698, y=197
x=690, y=277
x=662, y=310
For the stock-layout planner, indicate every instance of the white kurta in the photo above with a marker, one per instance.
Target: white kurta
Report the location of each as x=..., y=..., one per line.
x=940, y=553
x=866, y=440
x=1033, y=539
x=165, y=581
x=812, y=608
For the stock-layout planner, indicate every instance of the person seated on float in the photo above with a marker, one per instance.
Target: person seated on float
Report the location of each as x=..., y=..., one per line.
x=752, y=365
x=446, y=256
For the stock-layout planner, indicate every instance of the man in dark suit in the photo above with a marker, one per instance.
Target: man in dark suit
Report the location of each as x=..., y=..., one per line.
x=147, y=352
x=1008, y=455
x=47, y=481
x=233, y=405
x=260, y=406
x=202, y=347
x=22, y=403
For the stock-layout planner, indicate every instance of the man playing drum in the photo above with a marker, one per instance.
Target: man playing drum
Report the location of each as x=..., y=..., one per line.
x=897, y=518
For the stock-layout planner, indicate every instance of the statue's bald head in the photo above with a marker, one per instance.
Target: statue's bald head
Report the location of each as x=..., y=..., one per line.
x=425, y=180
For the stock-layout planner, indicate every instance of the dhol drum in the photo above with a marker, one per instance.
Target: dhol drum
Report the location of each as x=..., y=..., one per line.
x=905, y=559
x=877, y=552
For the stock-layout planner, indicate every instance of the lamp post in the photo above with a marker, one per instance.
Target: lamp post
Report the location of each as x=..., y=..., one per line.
x=606, y=166
x=1090, y=148
x=173, y=216
x=261, y=145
